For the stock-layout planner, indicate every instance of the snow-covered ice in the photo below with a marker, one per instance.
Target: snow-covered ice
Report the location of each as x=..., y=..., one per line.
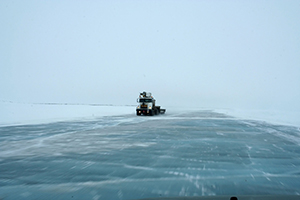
x=200, y=153
x=31, y=113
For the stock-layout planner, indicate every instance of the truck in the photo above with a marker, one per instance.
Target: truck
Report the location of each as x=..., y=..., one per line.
x=146, y=105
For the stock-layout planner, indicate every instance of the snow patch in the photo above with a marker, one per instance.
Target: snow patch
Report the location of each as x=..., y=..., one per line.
x=22, y=113
x=291, y=118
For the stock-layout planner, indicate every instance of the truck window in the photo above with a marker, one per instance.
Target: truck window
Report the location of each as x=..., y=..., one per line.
x=145, y=100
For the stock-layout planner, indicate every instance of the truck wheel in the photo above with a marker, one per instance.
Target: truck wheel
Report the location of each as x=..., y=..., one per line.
x=151, y=112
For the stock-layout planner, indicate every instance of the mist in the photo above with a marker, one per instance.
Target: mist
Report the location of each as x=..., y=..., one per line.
x=197, y=54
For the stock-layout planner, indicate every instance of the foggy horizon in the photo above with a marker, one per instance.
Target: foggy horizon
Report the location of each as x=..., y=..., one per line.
x=206, y=54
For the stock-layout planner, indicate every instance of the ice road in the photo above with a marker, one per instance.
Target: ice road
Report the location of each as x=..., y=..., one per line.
x=129, y=157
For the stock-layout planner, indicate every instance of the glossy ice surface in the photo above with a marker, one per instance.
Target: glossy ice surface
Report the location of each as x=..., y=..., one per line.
x=129, y=157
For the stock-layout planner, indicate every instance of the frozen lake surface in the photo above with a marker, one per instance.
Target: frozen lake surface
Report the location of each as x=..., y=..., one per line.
x=129, y=157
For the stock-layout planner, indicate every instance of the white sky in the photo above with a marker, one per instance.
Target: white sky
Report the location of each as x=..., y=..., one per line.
x=210, y=53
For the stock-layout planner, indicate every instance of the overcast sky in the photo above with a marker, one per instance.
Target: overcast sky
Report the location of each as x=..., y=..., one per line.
x=209, y=53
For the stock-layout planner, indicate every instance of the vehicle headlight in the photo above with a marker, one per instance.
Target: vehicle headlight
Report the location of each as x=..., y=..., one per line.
x=138, y=107
x=150, y=107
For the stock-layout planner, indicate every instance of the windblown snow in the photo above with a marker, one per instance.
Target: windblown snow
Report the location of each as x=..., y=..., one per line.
x=199, y=153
